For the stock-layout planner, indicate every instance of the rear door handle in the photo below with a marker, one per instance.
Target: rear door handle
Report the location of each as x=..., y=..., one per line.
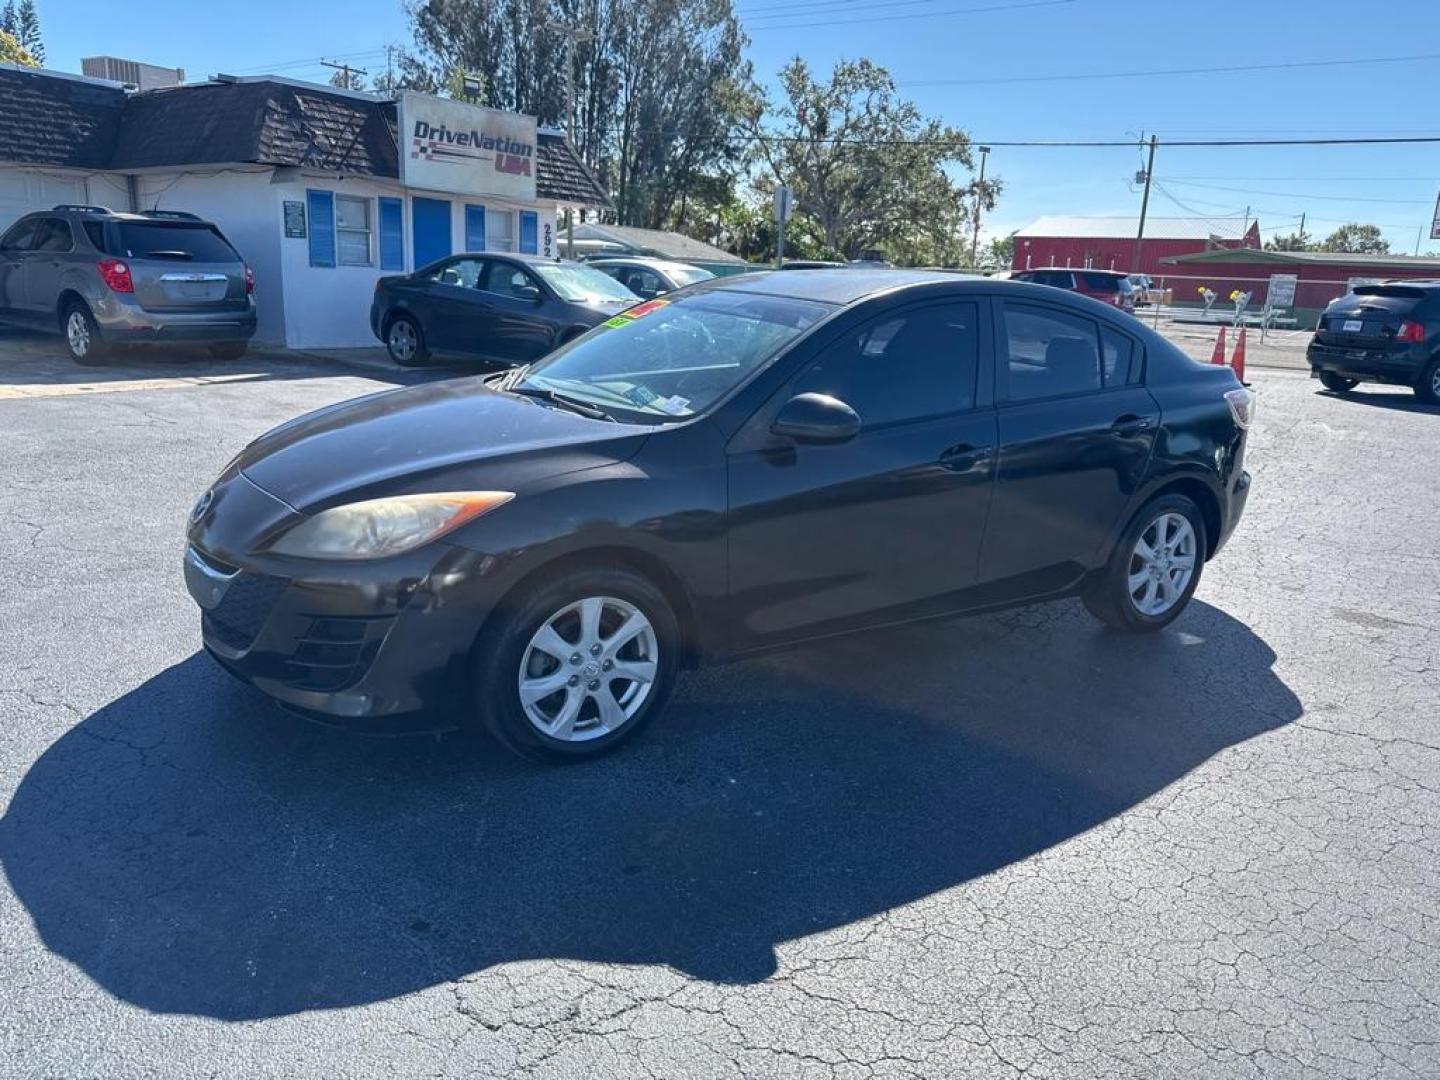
x=962, y=457
x=1130, y=425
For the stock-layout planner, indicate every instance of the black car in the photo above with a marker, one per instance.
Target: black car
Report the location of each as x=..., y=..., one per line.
x=765, y=459
x=1388, y=333
x=648, y=278
x=506, y=309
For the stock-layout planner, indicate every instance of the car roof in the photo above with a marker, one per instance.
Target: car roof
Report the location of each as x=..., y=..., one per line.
x=1075, y=270
x=104, y=213
x=837, y=285
x=638, y=260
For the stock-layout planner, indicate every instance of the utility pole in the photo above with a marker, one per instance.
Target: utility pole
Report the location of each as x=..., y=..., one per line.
x=1302, y=231
x=346, y=69
x=573, y=35
x=1144, y=207
x=979, y=199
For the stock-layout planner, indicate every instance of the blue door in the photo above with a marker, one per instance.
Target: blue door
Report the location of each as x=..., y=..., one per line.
x=430, y=231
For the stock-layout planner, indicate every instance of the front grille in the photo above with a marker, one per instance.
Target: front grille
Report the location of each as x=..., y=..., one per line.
x=236, y=620
x=334, y=652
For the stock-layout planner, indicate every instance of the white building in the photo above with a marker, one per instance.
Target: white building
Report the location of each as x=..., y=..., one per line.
x=321, y=190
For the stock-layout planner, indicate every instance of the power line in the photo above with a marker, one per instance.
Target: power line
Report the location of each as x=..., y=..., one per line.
x=747, y=17
x=1154, y=73
x=1298, y=195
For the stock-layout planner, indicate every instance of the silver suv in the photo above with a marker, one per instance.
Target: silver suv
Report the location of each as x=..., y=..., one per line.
x=103, y=278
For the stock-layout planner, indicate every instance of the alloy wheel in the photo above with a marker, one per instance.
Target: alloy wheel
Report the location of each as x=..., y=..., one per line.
x=402, y=340
x=1162, y=564
x=588, y=669
x=77, y=333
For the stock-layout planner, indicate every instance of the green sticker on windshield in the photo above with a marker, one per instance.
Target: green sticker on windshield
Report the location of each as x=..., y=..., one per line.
x=618, y=320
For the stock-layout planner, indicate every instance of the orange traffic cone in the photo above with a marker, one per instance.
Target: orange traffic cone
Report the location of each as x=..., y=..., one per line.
x=1218, y=356
x=1238, y=360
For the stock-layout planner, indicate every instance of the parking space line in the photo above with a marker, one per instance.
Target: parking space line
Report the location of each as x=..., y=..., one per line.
x=11, y=391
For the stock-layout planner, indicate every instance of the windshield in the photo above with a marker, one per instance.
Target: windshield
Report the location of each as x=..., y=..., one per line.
x=579, y=284
x=673, y=359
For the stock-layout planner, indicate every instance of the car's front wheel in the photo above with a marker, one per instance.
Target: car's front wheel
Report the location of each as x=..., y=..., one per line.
x=1428, y=386
x=1154, y=569
x=574, y=667
x=405, y=342
x=1338, y=383
x=82, y=336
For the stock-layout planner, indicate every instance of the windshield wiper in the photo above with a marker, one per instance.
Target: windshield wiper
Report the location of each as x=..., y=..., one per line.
x=579, y=407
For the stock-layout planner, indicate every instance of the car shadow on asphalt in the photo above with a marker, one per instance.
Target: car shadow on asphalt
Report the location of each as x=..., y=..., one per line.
x=195, y=851
x=1399, y=401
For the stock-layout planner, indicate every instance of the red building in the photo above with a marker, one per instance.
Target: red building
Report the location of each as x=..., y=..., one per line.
x=1108, y=243
x=1321, y=275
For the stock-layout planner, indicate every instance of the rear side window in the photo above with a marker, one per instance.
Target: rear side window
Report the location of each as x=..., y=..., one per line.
x=1120, y=358
x=95, y=231
x=1050, y=353
x=54, y=236
x=1104, y=282
x=906, y=366
x=166, y=240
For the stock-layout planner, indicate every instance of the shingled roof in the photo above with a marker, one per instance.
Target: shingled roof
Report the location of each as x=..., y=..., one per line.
x=51, y=119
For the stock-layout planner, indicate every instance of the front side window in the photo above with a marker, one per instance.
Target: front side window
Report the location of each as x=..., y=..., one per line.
x=461, y=273
x=675, y=359
x=352, y=230
x=508, y=279
x=1050, y=353
x=20, y=237
x=905, y=366
x=499, y=230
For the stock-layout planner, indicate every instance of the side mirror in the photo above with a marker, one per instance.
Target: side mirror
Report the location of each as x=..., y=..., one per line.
x=529, y=292
x=816, y=418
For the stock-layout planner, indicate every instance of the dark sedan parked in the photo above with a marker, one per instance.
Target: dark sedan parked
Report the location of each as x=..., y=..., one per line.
x=764, y=459
x=1388, y=333
x=506, y=309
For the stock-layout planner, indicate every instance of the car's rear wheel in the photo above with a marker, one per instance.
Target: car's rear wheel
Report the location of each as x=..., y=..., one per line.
x=1338, y=383
x=577, y=666
x=228, y=350
x=1428, y=386
x=405, y=342
x=82, y=336
x=1154, y=569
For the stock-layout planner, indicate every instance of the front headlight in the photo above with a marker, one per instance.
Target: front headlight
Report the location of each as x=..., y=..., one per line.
x=379, y=527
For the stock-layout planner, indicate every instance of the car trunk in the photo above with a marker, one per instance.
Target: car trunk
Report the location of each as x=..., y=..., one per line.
x=180, y=267
x=1370, y=317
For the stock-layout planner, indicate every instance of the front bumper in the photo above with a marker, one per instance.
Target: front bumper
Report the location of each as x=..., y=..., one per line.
x=1400, y=367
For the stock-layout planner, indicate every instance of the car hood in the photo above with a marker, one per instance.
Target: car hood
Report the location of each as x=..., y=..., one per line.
x=454, y=435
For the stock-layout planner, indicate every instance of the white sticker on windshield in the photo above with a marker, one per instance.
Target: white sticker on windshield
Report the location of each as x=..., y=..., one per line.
x=672, y=405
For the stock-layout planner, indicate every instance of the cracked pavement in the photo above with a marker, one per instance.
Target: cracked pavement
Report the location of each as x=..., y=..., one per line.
x=1010, y=845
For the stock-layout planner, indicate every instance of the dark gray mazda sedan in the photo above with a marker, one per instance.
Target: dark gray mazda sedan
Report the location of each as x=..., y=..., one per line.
x=755, y=462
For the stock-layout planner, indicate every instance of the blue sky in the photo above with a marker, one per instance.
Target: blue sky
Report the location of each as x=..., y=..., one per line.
x=1013, y=40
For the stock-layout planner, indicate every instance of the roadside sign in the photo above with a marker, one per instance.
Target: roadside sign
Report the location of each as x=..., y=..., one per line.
x=784, y=198
x=1281, y=293
x=1435, y=222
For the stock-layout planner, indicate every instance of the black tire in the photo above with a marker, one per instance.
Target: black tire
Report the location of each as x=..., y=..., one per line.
x=1107, y=595
x=503, y=648
x=88, y=348
x=1427, y=387
x=229, y=350
x=1340, y=384
x=407, y=351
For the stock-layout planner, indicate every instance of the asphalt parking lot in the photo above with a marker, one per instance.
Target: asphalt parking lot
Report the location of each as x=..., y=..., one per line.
x=1015, y=844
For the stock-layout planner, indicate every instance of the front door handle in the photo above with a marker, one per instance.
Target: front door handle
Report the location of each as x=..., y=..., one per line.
x=1130, y=425
x=963, y=457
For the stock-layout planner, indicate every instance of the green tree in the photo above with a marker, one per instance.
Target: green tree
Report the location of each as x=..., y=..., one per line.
x=27, y=30
x=347, y=79
x=866, y=166
x=1356, y=239
x=1296, y=241
x=659, y=86
x=1000, y=254
x=12, y=52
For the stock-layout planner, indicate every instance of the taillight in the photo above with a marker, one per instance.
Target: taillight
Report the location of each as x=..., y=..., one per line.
x=1412, y=332
x=116, y=275
x=1242, y=406
x=249, y=280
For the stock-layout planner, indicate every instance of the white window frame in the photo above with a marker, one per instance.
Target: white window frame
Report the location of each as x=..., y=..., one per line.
x=513, y=240
x=368, y=232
